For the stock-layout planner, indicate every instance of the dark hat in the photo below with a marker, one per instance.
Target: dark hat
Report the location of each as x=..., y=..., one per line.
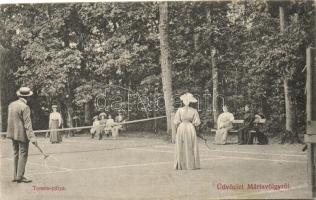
x=24, y=92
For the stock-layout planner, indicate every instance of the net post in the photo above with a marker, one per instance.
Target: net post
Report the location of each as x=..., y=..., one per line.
x=310, y=136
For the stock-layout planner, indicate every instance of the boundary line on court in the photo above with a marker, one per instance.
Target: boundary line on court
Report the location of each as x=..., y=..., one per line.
x=202, y=155
x=155, y=163
x=247, y=152
x=34, y=163
x=118, y=166
x=263, y=159
x=206, y=150
x=234, y=157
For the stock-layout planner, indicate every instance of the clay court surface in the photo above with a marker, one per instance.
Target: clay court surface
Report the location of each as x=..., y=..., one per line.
x=141, y=167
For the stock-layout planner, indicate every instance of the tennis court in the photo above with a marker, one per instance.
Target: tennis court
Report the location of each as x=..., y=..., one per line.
x=140, y=166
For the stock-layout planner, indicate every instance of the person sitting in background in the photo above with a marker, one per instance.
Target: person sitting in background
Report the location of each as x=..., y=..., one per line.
x=244, y=133
x=261, y=137
x=95, y=126
x=224, y=124
x=109, y=126
x=102, y=123
x=119, y=119
x=116, y=129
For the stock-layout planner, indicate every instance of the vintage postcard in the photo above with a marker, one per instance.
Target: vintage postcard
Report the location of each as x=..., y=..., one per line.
x=152, y=100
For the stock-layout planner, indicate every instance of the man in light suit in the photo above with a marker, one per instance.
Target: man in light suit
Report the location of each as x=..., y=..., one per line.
x=21, y=132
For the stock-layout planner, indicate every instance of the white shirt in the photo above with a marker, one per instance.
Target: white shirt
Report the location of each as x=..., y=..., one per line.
x=110, y=122
x=55, y=116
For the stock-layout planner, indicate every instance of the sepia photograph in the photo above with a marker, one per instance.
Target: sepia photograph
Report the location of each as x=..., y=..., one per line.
x=148, y=100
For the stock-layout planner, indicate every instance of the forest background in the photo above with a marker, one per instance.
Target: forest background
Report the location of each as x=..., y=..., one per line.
x=239, y=52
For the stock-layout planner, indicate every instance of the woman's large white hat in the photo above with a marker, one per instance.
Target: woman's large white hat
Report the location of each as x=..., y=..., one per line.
x=189, y=97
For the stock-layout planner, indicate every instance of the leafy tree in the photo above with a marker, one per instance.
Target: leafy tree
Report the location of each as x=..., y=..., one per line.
x=166, y=74
x=71, y=53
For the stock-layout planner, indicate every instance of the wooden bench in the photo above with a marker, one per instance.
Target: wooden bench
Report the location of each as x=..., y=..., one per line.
x=3, y=135
x=241, y=121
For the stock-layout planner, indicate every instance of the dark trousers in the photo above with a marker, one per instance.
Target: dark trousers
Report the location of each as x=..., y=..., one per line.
x=244, y=136
x=101, y=134
x=20, y=150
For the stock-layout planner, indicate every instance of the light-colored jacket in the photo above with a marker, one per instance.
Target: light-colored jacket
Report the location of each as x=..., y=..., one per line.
x=95, y=127
x=19, y=122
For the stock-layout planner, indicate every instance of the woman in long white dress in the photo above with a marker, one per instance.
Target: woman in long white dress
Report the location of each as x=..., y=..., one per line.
x=95, y=127
x=55, y=122
x=187, y=151
x=224, y=124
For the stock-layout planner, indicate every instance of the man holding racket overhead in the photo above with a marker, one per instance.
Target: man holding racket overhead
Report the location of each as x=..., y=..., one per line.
x=21, y=132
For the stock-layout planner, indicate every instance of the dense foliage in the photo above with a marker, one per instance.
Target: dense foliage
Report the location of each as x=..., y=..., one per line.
x=71, y=53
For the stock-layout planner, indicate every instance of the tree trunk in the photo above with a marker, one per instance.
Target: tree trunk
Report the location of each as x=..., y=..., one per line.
x=290, y=134
x=155, y=127
x=1, y=87
x=289, y=106
x=215, y=105
x=166, y=71
x=69, y=112
x=196, y=41
x=215, y=84
x=69, y=116
x=282, y=19
x=7, y=86
x=1, y=102
x=87, y=113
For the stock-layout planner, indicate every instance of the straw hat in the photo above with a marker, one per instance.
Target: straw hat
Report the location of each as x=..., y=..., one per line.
x=24, y=92
x=102, y=114
x=189, y=97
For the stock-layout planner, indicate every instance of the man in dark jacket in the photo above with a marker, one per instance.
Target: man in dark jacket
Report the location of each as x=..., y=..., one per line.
x=21, y=132
x=244, y=133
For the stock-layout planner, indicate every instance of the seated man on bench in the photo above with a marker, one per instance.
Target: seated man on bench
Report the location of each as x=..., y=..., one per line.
x=244, y=134
x=224, y=124
x=250, y=129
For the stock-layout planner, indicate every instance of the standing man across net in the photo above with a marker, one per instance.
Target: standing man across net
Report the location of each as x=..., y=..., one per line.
x=21, y=132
